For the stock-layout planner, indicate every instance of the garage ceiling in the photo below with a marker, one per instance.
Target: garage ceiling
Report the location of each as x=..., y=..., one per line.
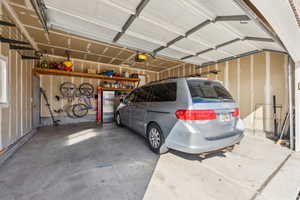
x=195, y=31
x=192, y=31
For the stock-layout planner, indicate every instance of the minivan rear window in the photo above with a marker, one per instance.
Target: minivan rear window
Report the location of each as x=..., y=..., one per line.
x=208, y=90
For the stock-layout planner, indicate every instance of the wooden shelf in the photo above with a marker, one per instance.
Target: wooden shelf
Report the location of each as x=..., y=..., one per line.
x=80, y=74
x=115, y=89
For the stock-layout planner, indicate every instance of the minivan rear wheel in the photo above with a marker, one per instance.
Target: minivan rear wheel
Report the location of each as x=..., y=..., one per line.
x=156, y=139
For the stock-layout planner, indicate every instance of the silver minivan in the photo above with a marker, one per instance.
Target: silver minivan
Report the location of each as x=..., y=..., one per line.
x=192, y=115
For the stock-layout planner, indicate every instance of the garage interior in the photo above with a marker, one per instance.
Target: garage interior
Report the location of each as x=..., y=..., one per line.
x=228, y=40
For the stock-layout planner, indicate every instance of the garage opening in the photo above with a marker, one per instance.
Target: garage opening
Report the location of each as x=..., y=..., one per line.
x=65, y=66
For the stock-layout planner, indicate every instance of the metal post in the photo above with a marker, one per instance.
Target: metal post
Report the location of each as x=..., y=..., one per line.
x=291, y=110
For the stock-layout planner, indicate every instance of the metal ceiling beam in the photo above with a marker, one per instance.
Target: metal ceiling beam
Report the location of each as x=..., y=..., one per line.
x=198, y=27
x=188, y=33
x=259, y=39
x=233, y=18
x=186, y=57
x=204, y=51
x=129, y=21
x=205, y=23
x=227, y=43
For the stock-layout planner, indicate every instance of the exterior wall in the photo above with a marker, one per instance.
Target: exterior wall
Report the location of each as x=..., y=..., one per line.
x=51, y=84
x=16, y=119
x=252, y=80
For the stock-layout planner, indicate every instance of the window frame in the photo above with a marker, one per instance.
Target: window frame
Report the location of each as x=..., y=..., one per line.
x=4, y=82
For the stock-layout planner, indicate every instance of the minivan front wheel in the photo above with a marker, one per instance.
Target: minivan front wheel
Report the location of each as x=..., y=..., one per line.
x=156, y=139
x=118, y=119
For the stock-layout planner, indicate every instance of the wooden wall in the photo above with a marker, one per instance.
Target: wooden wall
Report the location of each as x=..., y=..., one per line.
x=248, y=82
x=16, y=119
x=51, y=83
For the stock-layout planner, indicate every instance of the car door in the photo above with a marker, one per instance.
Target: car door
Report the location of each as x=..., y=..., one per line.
x=125, y=110
x=139, y=110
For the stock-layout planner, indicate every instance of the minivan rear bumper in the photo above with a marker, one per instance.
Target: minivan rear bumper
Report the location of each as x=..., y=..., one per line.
x=184, y=139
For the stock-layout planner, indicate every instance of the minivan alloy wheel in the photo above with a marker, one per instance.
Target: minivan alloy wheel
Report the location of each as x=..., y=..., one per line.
x=154, y=138
x=118, y=119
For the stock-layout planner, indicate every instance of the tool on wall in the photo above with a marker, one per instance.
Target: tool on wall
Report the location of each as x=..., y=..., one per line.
x=55, y=122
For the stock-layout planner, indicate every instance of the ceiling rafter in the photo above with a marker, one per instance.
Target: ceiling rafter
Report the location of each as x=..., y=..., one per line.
x=132, y=17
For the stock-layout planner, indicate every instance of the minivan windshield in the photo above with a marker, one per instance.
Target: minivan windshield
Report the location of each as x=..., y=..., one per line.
x=208, y=90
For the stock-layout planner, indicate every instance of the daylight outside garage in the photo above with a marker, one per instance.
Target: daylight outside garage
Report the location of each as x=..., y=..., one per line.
x=211, y=86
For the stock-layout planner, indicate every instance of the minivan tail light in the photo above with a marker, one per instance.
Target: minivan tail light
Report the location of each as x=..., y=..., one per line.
x=236, y=112
x=196, y=114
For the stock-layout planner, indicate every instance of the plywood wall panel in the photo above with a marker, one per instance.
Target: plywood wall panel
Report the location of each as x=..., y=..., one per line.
x=277, y=80
x=245, y=87
x=232, y=74
x=259, y=78
x=220, y=75
x=17, y=115
x=13, y=116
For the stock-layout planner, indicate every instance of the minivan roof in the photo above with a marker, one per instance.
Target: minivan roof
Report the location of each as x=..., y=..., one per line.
x=179, y=78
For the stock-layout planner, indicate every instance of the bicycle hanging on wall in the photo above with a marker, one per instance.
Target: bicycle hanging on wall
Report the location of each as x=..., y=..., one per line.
x=84, y=93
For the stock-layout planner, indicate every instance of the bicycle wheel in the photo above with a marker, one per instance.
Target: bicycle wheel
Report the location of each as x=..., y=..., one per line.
x=67, y=89
x=86, y=89
x=80, y=110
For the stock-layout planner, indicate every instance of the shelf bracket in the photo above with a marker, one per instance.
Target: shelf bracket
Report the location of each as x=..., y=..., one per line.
x=4, y=23
x=15, y=47
x=7, y=40
x=30, y=58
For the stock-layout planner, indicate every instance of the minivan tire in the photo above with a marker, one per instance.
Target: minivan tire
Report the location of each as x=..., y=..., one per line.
x=156, y=139
x=118, y=119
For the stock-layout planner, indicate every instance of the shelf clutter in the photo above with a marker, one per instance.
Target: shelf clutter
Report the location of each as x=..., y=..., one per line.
x=117, y=86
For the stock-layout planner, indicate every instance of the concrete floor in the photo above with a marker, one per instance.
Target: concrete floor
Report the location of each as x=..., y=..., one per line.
x=85, y=161
x=80, y=162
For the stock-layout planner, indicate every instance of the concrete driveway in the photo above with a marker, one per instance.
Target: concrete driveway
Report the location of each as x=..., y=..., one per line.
x=256, y=169
x=85, y=161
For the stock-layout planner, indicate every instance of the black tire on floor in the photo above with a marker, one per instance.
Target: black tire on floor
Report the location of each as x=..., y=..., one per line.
x=156, y=139
x=118, y=119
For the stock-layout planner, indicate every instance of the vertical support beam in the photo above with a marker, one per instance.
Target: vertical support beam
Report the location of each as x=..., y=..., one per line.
x=252, y=88
x=226, y=75
x=238, y=88
x=1, y=46
x=297, y=105
x=286, y=83
x=217, y=68
x=268, y=95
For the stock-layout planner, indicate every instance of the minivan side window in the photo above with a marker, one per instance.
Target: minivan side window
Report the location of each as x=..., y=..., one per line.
x=129, y=98
x=163, y=92
x=142, y=94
